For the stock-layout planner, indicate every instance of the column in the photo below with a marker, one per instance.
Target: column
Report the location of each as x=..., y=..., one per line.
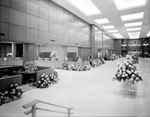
x=142, y=47
x=92, y=39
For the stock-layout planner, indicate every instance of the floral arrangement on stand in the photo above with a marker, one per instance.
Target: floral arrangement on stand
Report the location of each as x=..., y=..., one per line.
x=127, y=71
x=79, y=59
x=46, y=80
x=53, y=55
x=14, y=92
x=30, y=66
x=9, y=55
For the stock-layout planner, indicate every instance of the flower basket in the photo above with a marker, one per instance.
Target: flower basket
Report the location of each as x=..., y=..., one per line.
x=30, y=66
x=15, y=92
x=127, y=70
x=47, y=80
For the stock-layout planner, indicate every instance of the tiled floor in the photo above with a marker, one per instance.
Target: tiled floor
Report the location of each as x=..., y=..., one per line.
x=91, y=93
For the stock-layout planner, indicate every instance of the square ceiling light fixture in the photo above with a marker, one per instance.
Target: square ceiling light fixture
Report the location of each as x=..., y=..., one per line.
x=132, y=16
x=112, y=31
x=134, y=35
x=108, y=27
x=148, y=34
x=133, y=24
x=118, y=35
x=128, y=4
x=102, y=21
x=133, y=29
x=85, y=6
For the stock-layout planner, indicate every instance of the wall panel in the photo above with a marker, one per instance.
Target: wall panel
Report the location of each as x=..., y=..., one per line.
x=5, y=2
x=4, y=30
x=17, y=33
x=4, y=14
x=43, y=24
x=43, y=37
x=43, y=13
x=19, y=5
x=17, y=17
x=31, y=35
x=32, y=21
x=32, y=8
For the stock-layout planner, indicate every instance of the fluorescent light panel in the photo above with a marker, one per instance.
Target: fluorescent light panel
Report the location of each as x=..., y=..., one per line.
x=102, y=21
x=148, y=34
x=112, y=31
x=128, y=4
x=132, y=16
x=133, y=29
x=133, y=24
x=108, y=27
x=117, y=35
x=134, y=35
x=85, y=6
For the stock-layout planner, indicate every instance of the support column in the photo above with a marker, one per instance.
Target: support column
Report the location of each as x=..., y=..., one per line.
x=127, y=42
x=92, y=39
x=149, y=47
x=142, y=47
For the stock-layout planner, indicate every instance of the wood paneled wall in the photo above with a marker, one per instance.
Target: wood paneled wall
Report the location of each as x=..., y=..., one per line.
x=42, y=21
x=117, y=46
x=46, y=23
x=103, y=41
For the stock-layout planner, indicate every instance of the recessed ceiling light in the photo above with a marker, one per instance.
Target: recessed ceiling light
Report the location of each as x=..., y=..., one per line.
x=133, y=24
x=148, y=34
x=117, y=35
x=133, y=29
x=132, y=16
x=85, y=6
x=134, y=35
x=102, y=21
x=128, y=4
x=112, y=31
x=108, y=27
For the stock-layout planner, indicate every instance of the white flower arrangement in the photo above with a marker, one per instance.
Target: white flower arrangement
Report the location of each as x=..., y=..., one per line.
x=14, y=92
x=46, y=80
x=9, y=55
x=54, y=55
x=127, y=70
x=30, y=66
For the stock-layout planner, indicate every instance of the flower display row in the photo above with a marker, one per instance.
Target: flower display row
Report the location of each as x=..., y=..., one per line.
x=15, y=91
x=47, y=80
x=76, y=67
x=30, y=66
x=127, y=71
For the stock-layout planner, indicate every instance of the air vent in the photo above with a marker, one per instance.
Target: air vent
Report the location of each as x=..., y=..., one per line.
x=2, y=34
x=52, y=40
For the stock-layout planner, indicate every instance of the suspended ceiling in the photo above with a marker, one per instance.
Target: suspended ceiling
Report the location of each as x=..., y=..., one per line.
x=109, y=10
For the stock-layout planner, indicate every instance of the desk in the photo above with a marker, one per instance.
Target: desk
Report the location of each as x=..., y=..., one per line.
x=28, y=77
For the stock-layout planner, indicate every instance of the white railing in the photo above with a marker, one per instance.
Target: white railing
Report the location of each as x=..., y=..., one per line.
x=34, y=108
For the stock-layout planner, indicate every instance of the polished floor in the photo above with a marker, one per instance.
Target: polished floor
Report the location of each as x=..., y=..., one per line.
x=91, y=93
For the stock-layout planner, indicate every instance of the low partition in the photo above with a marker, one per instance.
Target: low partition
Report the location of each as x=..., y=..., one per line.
x=49, y=63
x=6, y=81
x=41, y=70
x=11, y=61
x=9, y=70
